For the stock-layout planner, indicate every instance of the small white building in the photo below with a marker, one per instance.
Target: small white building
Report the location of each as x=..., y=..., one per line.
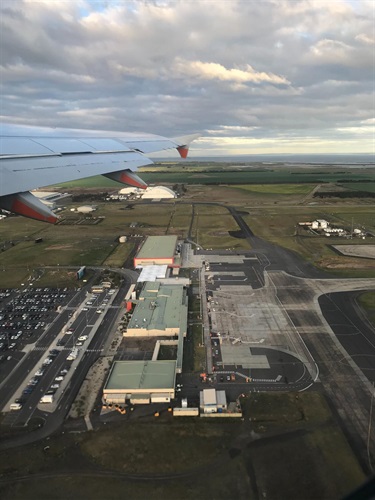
x=212, y=401
x=320, y=224
x=207, y=401
x=221, y=401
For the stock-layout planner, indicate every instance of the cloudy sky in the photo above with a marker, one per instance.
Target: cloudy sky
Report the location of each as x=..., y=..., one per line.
x=270, y=76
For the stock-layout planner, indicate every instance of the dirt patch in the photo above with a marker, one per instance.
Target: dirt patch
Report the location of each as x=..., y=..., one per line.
x=88, y=392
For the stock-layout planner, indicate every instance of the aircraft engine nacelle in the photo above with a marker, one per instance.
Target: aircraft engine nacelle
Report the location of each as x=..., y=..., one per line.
x=28, y=205
x=127, y=177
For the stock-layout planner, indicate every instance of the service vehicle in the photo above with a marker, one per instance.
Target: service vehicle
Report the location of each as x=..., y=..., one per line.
x=15, y=406
x=47, y=398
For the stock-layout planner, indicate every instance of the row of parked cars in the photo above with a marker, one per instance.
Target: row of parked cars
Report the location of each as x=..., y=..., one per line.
x=25, y=312
x=18, y=403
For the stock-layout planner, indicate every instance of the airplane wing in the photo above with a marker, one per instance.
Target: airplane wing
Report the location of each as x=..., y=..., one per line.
x=37, y=159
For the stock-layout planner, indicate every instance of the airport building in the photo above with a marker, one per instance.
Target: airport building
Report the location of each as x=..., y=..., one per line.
x=151, y=192
x=140, y=382
x=212, y=401
x=157, y=250
x=153, y=273
x=158, y=193
x=161, y=311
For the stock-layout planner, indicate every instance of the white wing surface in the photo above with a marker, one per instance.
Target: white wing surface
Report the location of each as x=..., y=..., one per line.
x=45, y=157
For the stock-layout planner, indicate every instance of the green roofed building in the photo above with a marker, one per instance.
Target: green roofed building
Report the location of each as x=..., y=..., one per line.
x=140, y=382
x=157, y=250
x=160, y=311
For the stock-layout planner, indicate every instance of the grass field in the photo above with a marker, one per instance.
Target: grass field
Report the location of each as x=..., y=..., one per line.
x=220, y=173
x=279, y=225
x=273, y=208
x=360, y=186
x=284, y=448
x=119, y=255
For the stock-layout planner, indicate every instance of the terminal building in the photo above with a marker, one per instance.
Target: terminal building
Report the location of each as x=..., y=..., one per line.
x=161, y=311
x=158, y=250
x=140, y=382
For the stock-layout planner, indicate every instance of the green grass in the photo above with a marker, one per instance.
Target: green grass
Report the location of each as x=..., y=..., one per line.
x=300, y=454
x=280, y=226
x=306, y=465
x=119, y=254
x=12, y=278
x=199, y=349
x=224, y=174
x=271, y=408
x=360, y=186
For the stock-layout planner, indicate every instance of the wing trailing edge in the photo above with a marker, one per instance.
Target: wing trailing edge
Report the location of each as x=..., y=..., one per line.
x=32, y=158
x=184, y=143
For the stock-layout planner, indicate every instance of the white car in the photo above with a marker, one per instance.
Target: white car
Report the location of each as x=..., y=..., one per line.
x=59, y=378
x=82, y=338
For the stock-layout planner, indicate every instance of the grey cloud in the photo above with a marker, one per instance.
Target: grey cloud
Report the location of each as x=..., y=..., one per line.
x=177, y=67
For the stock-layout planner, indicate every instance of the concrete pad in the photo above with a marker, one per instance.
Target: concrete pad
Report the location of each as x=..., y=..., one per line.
x=241, y=355
x=367, y=251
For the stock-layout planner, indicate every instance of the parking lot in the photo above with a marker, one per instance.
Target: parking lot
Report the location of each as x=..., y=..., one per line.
x=24, y=315
x=50, y=365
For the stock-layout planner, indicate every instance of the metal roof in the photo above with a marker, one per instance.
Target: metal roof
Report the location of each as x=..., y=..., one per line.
x=158, y=247
x=152, y=273
x=131, y=375
x=209, y=397
x=160, y=307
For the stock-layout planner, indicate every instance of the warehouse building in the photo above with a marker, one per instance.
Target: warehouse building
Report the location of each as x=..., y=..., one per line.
x=161, y=311
x=158, y=193
x=157, y=250
x=140, y=382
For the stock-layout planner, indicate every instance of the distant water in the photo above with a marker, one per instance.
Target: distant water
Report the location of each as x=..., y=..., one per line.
x=311, y=159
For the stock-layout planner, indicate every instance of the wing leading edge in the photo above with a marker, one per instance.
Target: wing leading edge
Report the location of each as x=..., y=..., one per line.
x=32, y=161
